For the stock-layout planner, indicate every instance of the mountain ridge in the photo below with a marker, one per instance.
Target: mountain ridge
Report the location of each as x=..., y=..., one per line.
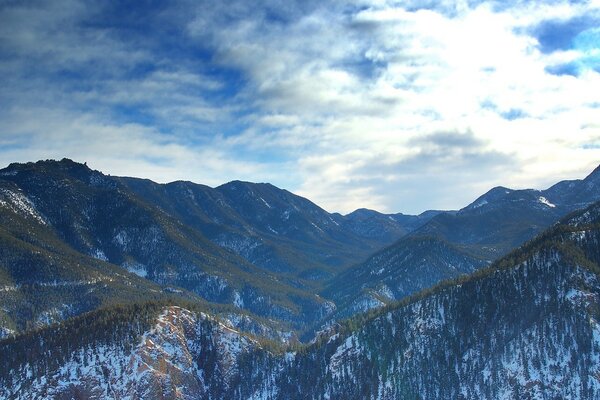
x=257, y=247
x=525, y=327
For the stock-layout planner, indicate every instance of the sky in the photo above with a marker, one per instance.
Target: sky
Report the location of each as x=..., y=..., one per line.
x=398, y=106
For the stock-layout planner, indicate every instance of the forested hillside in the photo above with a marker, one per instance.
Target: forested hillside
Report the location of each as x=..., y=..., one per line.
x=525, y=327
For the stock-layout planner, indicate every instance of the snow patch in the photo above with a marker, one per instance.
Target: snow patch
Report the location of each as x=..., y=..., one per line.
x=136, y=268
x=237, y=300
x=480, y=203
x=6, y=332
x=545, y=201
x=265, y=202
x=99, y=255
x=20, y=204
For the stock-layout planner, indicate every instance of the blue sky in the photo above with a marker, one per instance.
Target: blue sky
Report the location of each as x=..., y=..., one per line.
x=397, y=106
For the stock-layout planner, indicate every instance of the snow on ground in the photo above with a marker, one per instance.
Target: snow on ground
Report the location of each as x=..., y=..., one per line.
x=545, y=201
x=99, y=255
x=165, y=357
x=136, y=268
x=20, y=204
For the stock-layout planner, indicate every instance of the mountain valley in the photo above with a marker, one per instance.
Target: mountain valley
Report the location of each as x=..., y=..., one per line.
x=115, y=287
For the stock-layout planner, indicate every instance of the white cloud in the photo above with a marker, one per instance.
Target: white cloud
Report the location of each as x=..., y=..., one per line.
x=352, y=105
x=476, y=69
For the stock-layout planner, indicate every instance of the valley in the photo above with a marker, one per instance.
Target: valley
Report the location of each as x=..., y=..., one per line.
x=125, y=288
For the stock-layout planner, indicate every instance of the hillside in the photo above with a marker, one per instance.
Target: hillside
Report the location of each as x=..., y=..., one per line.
x=525, y=327
x=409, y=266
x=452, y=244
x=502, y=219
x=71, y=230
x=65, y=207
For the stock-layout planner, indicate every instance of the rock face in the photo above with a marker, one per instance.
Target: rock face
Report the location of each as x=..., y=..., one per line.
x=185, y=355
x=526, y=327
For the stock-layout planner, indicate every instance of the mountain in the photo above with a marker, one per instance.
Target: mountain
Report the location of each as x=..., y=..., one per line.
x=43, y=280
x=385, y=228
x=412, y=264
x=93, y=218
x=256, y=247
x=503, y=218
x=524, y=327
x=451, y=244
x=275, y=229
x=269, y=227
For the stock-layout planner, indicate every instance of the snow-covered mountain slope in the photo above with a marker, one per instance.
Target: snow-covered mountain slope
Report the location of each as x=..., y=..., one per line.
x=182, y=355
x=43, y=280
x=95, y=217
x=503, y=218
x=525, y=327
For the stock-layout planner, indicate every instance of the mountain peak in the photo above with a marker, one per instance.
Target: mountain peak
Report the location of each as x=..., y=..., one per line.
x=595, y=174
x=63, y=165
x=244, y=185
x=363, y=212
x=491, y=195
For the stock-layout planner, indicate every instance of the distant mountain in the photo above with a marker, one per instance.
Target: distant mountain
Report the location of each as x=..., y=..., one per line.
x=451, y=244
x=503, y=219
x=269, y=227
x=412, y=264
x=249, y=245
x=97, y=218
x=386, y=228
x=253, y=246
x=525, y=327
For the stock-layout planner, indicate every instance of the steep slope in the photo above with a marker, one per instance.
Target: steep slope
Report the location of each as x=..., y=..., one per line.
x=273, y=228
x=43, y=281
x=269, y=227
x=407, y=267
x=454, y=243
x=503, y=219
x=97, y=216
x=576, y=192
x=385, y=228
x=526, y=327
x=151, y=352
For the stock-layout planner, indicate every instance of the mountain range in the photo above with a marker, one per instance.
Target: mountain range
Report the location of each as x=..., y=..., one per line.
x=126, y=288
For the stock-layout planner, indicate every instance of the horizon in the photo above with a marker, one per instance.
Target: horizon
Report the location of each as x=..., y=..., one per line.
x=350, y=104
x=91, y=167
